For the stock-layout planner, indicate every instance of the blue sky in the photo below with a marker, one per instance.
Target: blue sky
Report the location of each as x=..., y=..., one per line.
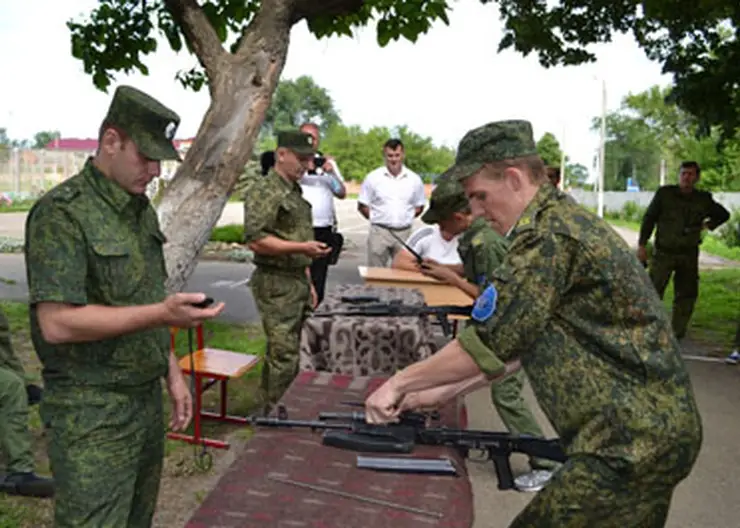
x=451, y=80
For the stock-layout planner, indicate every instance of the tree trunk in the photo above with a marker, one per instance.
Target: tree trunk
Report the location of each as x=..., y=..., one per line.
x=240, y=95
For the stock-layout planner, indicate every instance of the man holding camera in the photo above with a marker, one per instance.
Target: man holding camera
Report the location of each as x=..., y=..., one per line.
x=321, y=183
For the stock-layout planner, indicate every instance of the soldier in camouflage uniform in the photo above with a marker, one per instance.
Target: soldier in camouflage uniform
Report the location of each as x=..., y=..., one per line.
x=15, y=438
x=279, y=230
x=681, y=213
x=99, y=322
x=481, y=251
x=574, y=307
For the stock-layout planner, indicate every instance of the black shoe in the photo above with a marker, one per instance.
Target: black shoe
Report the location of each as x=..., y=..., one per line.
x=27, y=484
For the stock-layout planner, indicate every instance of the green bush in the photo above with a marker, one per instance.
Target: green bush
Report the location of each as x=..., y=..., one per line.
x=229, y=234
x=729, y=233
x=632, y=211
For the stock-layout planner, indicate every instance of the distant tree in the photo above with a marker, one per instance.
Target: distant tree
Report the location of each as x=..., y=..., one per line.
x=548, y=147
x=43, y=138
x=298, y=101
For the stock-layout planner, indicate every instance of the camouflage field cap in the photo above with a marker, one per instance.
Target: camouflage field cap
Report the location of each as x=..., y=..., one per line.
x=149, y=124
x=300, y=143
x=497, y=141
x=448, y=197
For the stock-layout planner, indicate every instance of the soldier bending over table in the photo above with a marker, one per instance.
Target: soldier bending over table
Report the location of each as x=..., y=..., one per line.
x=572, y=305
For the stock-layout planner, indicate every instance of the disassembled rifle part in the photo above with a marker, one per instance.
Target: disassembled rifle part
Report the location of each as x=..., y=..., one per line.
x=360, y=498
x=435, y=466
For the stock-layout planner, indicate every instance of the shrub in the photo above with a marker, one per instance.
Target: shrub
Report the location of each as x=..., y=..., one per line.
x=229, y=234
x=729, y=233
x=632, y=211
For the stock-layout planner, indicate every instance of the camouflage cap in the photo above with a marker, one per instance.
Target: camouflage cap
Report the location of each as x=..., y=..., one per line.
x=448, y=197
x=300, y=143
x=149, y=124
x=497, y=141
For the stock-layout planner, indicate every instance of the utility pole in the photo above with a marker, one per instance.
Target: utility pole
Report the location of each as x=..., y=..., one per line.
x=602, y=151
x=662, y=172
x=564, y=185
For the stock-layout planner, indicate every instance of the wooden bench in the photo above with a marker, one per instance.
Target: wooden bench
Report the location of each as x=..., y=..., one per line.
x=210, y=366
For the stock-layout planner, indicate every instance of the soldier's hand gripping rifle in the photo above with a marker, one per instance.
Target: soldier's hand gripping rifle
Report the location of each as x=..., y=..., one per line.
x=355, y=434
x=398, y=309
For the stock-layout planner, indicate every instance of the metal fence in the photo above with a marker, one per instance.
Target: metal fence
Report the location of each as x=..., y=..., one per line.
x=28, y=173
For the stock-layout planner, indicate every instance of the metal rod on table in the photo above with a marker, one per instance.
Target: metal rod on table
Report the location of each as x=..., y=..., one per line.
x=370, y=500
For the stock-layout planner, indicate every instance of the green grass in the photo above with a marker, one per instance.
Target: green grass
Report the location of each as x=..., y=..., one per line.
x=20, y=512
x=717, y=311
x=18, y=206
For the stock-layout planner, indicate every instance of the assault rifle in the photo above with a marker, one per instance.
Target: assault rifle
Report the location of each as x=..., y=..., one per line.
x=396, y=308
x=413, y=429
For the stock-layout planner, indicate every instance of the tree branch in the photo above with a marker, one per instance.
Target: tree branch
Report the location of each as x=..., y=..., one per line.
x=200, y=33
x=310, y=8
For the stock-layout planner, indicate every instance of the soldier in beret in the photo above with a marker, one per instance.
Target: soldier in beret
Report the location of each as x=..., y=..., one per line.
x=278, y=228
x=99, y=321
x=572, y=305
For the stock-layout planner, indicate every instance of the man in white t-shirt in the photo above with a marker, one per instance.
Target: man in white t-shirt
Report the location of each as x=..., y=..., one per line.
x=431, y=242
x=390, y=197
x=320, y=185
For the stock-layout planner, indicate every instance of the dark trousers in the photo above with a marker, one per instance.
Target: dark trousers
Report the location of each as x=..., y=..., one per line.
x=685, y=270
x=320, y=266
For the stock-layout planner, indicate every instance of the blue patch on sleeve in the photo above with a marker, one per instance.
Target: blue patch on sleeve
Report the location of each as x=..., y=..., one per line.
x=485, y=305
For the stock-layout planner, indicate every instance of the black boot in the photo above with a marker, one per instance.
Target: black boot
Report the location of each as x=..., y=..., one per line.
x=27, y=484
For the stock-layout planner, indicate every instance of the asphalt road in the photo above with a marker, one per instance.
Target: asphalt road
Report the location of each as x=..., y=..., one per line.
x=707, y=499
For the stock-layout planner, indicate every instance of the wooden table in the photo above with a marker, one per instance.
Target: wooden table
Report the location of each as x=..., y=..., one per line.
x=253, y=492
x=436, y=293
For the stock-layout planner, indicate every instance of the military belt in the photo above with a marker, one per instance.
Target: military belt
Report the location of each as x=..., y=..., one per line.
x=271, y=268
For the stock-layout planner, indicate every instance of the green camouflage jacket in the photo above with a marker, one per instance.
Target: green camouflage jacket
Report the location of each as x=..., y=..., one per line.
x=274, y=206
x=89, y=242
x=572, y=301
x=481, y=250
x=8, y=358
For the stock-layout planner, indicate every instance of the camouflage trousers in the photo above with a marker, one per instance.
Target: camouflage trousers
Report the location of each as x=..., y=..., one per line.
x=284, y=301
x=515, y=413
x=685, y=270
x=15, y=438
x=587, y=493
x=106, y=448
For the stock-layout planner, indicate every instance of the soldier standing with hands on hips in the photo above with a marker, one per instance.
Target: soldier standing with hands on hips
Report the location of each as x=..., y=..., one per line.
x=572, y=305
x=99, y=322
x=279, y=230
x=681, y=213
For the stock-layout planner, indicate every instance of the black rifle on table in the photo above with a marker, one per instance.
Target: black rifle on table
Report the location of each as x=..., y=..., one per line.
x=351, y=432
x=398, y=309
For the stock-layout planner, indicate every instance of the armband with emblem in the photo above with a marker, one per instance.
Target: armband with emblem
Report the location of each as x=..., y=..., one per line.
x=485, y=305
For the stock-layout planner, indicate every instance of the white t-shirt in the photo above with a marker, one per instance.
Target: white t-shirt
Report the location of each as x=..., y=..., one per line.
x=392, y=199
x=427, y=241
x=317, y=191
